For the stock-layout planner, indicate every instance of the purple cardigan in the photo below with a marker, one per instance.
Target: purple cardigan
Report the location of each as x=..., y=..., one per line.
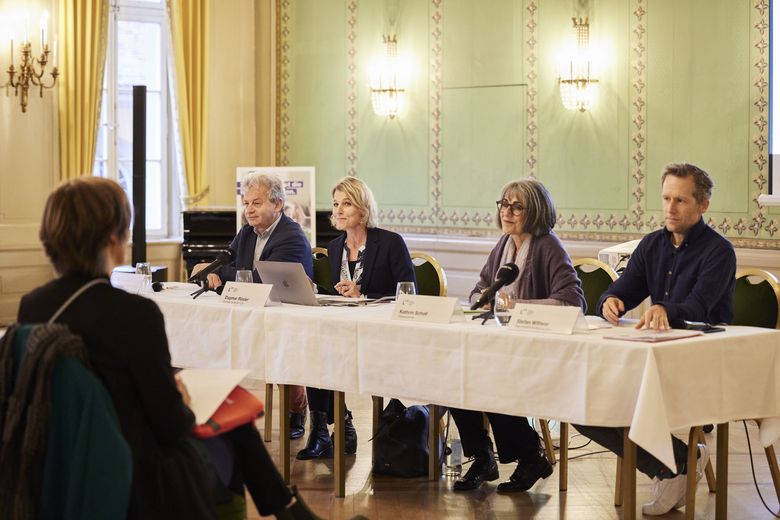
x=547, y=274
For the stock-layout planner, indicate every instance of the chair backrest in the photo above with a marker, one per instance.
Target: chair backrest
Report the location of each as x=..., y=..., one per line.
x=595, y=277
x=322, y=268
x=756, y=299
x=431, y=279
x=87, y=469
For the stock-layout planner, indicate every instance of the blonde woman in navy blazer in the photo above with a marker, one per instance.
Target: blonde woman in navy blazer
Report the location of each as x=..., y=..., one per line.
x=366, y=261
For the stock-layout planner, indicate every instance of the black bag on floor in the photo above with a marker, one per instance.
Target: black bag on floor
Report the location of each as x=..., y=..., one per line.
x=401, y=441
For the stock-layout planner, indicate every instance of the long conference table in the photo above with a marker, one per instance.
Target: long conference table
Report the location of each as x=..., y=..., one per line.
x=582, y=378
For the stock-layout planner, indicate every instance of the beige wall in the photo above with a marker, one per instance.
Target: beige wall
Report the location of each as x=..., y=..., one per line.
x=29, y=154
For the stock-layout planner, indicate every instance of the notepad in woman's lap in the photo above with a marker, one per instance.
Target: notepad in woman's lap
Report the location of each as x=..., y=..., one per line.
x=208, y=388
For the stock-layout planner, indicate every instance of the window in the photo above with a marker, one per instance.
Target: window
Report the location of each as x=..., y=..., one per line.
x=137, y=54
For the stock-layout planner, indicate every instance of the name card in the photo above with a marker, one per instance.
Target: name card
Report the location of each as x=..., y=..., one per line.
x=249, y=294
x=431, y=309
x=131, y=282
x=546, y=318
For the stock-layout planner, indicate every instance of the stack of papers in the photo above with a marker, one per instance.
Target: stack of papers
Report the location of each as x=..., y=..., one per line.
x=651, y=336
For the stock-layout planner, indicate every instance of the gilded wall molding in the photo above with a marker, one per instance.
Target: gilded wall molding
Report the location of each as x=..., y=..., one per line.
x=283, y=82
x=352, y=123
x=531, y=77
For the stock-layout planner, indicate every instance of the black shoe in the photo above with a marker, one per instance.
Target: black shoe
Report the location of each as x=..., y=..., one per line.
x=319, y=445
x=526, y=474
x=350, y=435
x=483, y=469
x=297, y=423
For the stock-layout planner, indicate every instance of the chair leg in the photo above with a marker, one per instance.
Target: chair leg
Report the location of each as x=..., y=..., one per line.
x=690, y=481
x=378, y=407
x=563, y=456
x=619, y=482
x=709, y=472
x=774, y=470
x=548, y=443
x=269, y=406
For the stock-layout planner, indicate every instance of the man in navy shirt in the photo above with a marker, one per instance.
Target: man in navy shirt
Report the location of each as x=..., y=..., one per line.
x=687, y=269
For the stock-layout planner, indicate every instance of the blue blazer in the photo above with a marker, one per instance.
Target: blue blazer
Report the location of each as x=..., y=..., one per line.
x=386, y=262
x=287, y=243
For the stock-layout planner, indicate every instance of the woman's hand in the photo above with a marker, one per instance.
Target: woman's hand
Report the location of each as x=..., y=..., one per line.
x=347, y=288
x=182, y=388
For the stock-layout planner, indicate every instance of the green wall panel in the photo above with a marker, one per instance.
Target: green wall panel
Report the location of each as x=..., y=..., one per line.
x=483, y=42
x=699, y=94
x=317, y=91
x=393, y=153
x=584, y=156
x=483, y=143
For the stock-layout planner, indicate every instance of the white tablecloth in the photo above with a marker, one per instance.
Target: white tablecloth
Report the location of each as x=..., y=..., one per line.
x=582, y=378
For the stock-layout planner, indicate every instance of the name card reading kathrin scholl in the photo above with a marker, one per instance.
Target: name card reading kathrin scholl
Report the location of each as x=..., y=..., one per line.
x=545, y=318
x=431, y=309
x=249, y=294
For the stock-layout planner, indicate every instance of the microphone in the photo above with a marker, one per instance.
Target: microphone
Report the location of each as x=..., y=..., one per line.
x=506, y=274
x=223, y=258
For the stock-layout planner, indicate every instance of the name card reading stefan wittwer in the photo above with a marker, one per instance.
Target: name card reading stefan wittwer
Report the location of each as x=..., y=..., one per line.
x=546, y=318
x=431, y=309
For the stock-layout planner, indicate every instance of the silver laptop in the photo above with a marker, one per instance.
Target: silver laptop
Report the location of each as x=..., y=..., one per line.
x=291, y=284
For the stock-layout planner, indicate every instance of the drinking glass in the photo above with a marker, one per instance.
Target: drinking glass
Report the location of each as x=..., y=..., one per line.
x=404, y=288
x=145, y=268
x=244, y=276
x=505, y=302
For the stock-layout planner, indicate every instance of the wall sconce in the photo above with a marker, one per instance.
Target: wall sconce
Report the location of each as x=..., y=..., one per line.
x=24, y=77
x=578, y=88
x=387, y=79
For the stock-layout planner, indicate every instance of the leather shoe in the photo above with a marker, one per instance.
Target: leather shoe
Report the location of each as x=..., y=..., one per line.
x=297, y=424
x=350, y=435
x=483, y=469
x=526, y=474
x=319, y=445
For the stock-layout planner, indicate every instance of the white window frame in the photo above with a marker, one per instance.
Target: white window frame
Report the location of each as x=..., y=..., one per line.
x=139, y=11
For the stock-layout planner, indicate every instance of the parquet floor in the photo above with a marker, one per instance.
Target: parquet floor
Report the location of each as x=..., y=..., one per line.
x=590, y=494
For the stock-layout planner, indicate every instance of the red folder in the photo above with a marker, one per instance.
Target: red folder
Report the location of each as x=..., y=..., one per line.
x=240, y=407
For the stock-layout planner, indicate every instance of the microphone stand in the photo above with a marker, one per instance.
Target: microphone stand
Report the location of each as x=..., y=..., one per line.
x=204, y=288
x=487, y=315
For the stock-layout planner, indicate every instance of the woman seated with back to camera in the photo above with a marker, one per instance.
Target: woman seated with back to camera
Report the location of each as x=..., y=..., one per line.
x=367, y=261
x=84, y=231
x=526, y=215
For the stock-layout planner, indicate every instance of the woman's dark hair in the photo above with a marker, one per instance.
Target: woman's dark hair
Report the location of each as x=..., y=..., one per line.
x=539, y=208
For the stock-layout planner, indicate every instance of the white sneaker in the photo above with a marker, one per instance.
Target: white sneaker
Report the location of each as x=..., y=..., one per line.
x=667, y=493
x=701, y=464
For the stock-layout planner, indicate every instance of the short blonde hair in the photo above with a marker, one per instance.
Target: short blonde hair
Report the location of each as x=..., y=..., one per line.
x=78, y=220
x=360, y=196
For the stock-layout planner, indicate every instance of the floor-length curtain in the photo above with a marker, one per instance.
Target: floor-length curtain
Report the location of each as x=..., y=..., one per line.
x=82, y=29
x=189, y=31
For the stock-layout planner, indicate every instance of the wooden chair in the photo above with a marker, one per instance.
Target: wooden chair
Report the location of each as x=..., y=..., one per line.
x=431, y=279
x=595, y=277
x=757, y=304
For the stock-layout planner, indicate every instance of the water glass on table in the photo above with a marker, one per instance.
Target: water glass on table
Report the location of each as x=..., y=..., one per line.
x=244, y=276
x=145, y=268
x=505, y=302
x=404, y=288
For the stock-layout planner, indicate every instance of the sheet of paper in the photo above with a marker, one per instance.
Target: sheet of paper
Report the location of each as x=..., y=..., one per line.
x=208, y=388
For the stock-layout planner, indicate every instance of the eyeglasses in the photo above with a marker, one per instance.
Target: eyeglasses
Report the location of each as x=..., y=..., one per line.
x=516, y=207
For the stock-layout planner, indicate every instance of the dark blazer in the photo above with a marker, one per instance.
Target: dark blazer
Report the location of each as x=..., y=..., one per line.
x=124, y=335
x=287, y=243
x=386, y=262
